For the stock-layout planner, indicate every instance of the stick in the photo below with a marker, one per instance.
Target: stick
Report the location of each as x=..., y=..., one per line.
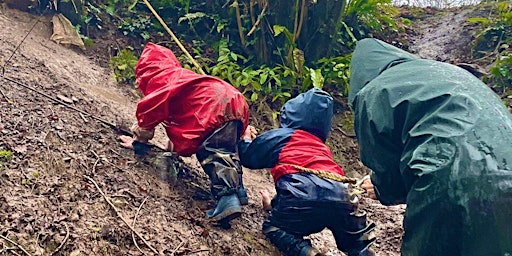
x=111, y=125
x=198, y=251
x=133, y=224
x=63, y=241
x=121, y=216
x=17, y=245
x=177, y=247
x=258, y=21
x=5, y=96
x=174, y=37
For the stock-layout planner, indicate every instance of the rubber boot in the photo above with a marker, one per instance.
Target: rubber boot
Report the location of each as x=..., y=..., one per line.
x=228, y=208
x=310, y=251
x=242, y=194
x=365, y=252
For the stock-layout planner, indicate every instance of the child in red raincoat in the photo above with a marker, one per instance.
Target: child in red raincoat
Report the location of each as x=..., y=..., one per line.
x=202, y=115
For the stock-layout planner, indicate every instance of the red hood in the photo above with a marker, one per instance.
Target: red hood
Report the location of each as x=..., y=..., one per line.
x=156, y=59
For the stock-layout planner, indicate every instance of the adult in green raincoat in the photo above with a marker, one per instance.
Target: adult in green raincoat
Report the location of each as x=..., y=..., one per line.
x=439, y=140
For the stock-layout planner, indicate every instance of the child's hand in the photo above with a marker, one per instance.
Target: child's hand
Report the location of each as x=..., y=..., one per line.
x=126, y=141
x=249, y=133
x=265, y=200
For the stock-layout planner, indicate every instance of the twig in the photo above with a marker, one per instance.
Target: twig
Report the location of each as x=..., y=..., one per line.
x=95, y=164
x=119, y=154
x=63, y=241
x=258, y=21
x=5, y=96
x=83, y=117
x=239, y=23
x=198, y=251
x=133, y=224
x=109, y=124
x=17, y=245
x=178, y=247
x=121, y=216
x=345, y=133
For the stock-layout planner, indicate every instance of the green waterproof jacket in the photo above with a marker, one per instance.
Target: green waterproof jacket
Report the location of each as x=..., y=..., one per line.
x=439, y=140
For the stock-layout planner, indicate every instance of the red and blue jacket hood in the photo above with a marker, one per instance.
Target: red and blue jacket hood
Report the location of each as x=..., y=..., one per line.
x=311, y=111
x=300, y=141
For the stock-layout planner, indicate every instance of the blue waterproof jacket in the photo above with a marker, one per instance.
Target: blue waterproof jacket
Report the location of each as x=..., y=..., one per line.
x=305, y=123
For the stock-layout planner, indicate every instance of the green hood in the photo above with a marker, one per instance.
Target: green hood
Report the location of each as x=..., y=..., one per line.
x=372, y=57
x=440, y=140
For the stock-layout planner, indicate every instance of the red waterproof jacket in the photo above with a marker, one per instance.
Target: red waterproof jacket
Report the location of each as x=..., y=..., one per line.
x=190, y=105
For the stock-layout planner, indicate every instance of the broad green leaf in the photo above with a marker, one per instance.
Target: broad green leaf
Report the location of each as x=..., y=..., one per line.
x=192, y=16
x=220, y=26
x=317, y=78
x=278, y=29
x=298, y=59
x=233, y=56
x=254, y=96
x=479, y=20
x=256, y=86
x=263, y=78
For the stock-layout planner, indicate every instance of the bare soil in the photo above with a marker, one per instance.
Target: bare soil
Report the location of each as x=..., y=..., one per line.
x=48, y=202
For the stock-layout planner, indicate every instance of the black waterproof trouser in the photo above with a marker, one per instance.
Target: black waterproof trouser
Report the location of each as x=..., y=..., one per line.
x=218, y=155
x=306, y=204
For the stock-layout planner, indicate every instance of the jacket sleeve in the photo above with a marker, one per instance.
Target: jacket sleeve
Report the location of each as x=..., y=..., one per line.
x=153, y=109
x=380, y=148
x=263, y=152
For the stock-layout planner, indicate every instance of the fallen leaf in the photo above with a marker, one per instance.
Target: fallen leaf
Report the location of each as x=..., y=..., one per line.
x=21, y=149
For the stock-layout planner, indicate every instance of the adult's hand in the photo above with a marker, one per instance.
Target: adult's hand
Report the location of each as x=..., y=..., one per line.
x=367, y=185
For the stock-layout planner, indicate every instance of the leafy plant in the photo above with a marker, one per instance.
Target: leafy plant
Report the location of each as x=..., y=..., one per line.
x=5, y=155
x=123, y=66
x=496, y=29
x=337, y=72
x=502, y=71
x=494, y=41
x=138, y=26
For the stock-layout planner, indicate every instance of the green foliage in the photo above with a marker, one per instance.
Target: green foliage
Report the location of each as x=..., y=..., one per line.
x=123, y=66
x=5, y=155
x=337, y=72
x=502, y=71
x=280, y=83
x=271, y=50
x=495, y=40
x=137, y=26
x=496, y=29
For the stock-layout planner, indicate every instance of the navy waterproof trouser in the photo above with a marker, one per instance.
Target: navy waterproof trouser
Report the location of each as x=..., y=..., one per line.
x=306, y=204
x=218, y=156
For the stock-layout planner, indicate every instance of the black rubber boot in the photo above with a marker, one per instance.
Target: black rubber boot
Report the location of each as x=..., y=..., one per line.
x=228, y=208
x=289, y=244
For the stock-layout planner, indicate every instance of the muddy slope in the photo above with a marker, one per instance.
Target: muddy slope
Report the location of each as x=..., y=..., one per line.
x=49, y=202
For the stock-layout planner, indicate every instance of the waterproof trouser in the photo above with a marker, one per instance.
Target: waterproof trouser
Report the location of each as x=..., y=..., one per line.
x=218, y=156
x=306, y=204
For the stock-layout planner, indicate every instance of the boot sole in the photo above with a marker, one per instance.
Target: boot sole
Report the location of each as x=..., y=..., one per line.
x=228, y=215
